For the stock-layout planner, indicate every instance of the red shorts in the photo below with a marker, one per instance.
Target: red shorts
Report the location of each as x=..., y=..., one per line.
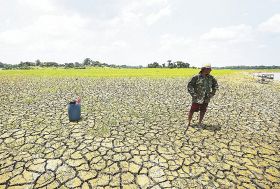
x=199, y=107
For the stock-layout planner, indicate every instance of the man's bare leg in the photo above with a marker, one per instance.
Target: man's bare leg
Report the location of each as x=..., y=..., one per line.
x=201, y=116
x=190, y=117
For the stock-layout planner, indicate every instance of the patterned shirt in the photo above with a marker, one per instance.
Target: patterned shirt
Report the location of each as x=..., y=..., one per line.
x=202, y=88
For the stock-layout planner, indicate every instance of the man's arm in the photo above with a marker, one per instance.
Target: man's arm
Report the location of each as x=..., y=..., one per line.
x=215, y=86
x=191, y=86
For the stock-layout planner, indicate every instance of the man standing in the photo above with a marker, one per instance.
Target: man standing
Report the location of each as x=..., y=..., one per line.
x=202, y=88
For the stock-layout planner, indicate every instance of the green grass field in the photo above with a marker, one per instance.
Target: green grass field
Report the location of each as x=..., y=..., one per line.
x=112, y=72
x=116, y=72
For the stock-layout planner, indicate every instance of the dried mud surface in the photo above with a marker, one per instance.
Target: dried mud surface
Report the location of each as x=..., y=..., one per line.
x=133, y=135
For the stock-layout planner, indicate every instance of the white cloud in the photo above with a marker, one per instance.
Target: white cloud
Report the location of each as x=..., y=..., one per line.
x=220, y=46
x=59, y=38
x=35, y=5
x=232, y=34
x=262, y=46
x=46, y=30
x=149, y=11
x=134, y=32
x=120, y=44
x=272, y=25
x=155, y=2
x=56, y=34
x=169, y=42
x=154, y=17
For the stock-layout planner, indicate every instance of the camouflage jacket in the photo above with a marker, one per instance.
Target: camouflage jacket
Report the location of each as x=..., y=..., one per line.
x=202, y=89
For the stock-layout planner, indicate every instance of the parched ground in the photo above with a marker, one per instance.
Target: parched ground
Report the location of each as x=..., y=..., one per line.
x=133, y=134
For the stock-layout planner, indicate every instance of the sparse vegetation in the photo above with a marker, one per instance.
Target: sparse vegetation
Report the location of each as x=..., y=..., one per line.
x=113, y=72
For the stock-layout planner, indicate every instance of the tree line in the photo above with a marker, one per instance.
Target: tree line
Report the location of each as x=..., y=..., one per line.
x=169, y=64
x=248, y=67
x=87, y=62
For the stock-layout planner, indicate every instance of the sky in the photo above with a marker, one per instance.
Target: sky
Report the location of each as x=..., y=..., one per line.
x=139, y=32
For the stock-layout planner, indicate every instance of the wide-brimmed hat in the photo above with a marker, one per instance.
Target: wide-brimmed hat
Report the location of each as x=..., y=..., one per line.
x=206, y=66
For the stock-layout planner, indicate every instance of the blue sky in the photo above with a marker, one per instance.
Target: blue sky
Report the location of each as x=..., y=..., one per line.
x=138, y=32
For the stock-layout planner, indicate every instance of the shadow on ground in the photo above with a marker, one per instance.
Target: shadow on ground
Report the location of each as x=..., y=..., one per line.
x=208, y=127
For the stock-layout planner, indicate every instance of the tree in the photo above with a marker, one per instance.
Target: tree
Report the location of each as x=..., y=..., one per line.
x=26, y=64
x=50, y=64
x=87, y=62
x=154, y=65
x=69, y=65
x=170, y=65
x=77, y=64
x=96, y=64
x=181, y=64
x=169, y=62
x=38, y=62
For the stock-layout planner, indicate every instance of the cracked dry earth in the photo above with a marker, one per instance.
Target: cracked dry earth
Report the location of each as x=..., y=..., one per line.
x=133, y=135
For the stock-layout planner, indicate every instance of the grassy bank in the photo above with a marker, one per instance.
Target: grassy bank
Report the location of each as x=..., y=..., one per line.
x=112, y=72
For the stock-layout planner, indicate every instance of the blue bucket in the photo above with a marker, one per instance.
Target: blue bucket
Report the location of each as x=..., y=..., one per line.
x=74, y=111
